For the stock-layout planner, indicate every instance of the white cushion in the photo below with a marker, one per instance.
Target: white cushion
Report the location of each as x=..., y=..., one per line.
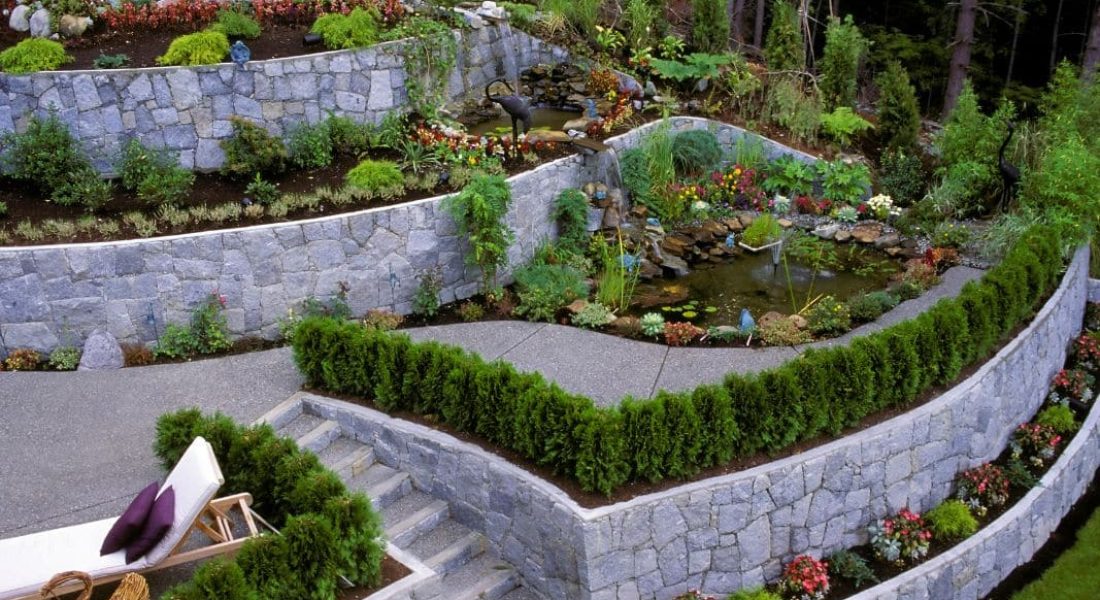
x=28, y=562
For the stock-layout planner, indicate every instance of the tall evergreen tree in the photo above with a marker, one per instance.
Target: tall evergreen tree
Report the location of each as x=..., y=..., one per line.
x=898, y=112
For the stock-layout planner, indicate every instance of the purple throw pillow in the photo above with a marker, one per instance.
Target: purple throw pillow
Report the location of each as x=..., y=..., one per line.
x=129, y=525
x=156, y=526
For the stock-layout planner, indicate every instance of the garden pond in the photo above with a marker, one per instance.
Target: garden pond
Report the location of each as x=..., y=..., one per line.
x=718, y=292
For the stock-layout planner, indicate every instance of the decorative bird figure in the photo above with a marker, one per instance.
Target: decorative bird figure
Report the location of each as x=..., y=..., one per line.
x=1010, y=174
x=748, y=325
x=517, y=107
x=239, y=53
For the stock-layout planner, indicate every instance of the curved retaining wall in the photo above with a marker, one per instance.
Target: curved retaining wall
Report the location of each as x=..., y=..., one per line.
x=52, y=295
x=724, y=533
x=187, y=109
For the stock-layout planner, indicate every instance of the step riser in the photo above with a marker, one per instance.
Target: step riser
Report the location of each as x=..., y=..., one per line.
x=387, y=492
x=317, y=440
x=458, y=554
x=493, y=586
x=404, y=533
x=353, y=464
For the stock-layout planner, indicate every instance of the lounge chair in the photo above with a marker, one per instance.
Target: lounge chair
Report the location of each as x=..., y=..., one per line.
x=30, y=561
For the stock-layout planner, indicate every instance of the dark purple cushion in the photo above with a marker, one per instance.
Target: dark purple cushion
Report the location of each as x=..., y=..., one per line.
x=156, y=526
x=129, y=525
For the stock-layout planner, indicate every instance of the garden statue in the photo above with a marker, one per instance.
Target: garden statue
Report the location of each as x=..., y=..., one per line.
x=748, y=325
x=1010, y=174
x=590, y=109
x=517, y=107
x=239, y=53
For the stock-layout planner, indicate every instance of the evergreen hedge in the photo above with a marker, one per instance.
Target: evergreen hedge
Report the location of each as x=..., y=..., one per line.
x=677, y=434
x=326, y=531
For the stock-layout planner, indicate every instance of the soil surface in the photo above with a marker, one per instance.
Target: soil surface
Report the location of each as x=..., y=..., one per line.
x=143, y=47
x=391, y=571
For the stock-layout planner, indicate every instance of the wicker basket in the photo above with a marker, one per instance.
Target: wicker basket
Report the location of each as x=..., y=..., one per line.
x=132, y=586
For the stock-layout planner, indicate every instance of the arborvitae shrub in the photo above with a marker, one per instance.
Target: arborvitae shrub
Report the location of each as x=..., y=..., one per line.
x=784, y=48
x=252, y=150
x=718, y=436
x=646, y=436
x=710, y=27
x=200, y=48
x=898, y=111
x=844, y=47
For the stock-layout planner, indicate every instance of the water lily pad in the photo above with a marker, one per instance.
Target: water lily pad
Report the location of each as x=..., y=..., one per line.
x=690, y=314
x=710, y=310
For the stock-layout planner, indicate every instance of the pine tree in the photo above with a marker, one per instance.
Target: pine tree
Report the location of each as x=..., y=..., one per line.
x=784, y=49
x=844, y=47
x=710, y=28
x=898, y=112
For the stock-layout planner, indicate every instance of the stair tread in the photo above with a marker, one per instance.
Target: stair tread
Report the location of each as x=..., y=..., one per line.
x=301, y=425
x=438, y=539
x=376, y=473
x=405, y=507
x=338, y=449
x=477, y=576
x=521, y=593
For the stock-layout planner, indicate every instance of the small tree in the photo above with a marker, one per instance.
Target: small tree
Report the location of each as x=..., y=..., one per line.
x=898, y=112
x=710, y=29
x=844, y=47
x=784, y=49
x=479, y=212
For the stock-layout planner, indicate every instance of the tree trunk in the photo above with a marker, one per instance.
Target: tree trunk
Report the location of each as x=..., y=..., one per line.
x=737, y=20
x=960, y=56
x=1054, y=37
x=1092, y=52
x=1015, y=40
x=758, y=27
x=834, y=8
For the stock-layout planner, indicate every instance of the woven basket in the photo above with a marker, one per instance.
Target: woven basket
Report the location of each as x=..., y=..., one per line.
x=132, y=587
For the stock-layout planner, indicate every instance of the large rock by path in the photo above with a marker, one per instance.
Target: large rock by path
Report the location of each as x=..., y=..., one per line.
x=101, y=352
x=20, y=18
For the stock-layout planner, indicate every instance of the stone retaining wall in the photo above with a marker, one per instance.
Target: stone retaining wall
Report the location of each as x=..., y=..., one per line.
x=187, y=109
x=724, y=533
x=1094, y=289
x=52, y=295
x=973, y=568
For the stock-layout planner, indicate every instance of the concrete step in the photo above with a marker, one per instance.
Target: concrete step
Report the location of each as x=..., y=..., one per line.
x=411, y=516
x=381, y=484
x=347, y=457
x=318, y=438
x=300, y=426
x=521, y=593
x=484, y=578
x=452, y=557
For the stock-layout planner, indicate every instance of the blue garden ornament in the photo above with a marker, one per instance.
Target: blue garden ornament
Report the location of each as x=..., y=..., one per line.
x=730, y=240
x=748, y=325
x=629, y=262
x=239, y=53
x=590, y=109
x=653, y=222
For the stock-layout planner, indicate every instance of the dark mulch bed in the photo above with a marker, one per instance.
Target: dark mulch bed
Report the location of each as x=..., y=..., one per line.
x=391, y=571
x=144, y=46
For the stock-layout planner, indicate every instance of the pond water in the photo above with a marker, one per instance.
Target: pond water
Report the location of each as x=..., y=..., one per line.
x=541, y=118
x=751, y=281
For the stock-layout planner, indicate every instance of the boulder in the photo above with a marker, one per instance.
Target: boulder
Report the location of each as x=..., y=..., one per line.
x=888, y=240
x=20, y=18
x=40, y=23
x=843, y=236
x=101, y=352
x=548, y=136
x=675, y=266
x=769, y=317
x=71, y=26
x=649, y=270
x=611, y=217
x=827, y=232
x=734, y=225
x=627, y=325
x=785, y=223
x=799, y=321
x=867, y=233
x=580, y=124
x=576, y=306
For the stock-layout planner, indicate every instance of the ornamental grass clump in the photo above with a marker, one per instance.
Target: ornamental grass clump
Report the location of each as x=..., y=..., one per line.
x=200, y=48
x=901, y=538
x=381, y=178
x=33, y=55
x=357, y=29
x=951, y=520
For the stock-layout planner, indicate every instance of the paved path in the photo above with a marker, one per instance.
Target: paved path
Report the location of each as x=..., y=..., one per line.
x=606, y=368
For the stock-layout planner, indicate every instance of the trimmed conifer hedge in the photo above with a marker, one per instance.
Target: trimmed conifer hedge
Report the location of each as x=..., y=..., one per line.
x=325, y=531
x=674, y=435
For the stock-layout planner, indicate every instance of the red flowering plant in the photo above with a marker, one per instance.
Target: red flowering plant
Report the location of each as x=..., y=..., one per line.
x=1034, y=442
x=681, y=334
x=1072, y=384
x=805, y=205
x=1086, y=352
x=900, y=538
x=173, y=15
x=805, y=578
x=740, y=188
x=983, y=487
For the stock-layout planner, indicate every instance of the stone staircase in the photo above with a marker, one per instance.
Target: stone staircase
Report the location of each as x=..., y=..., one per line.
x=459, y=562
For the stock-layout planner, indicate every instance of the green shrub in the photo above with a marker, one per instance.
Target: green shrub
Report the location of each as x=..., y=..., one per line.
x=843, y=125
x=710, y=26
x=640, y=19
x=784, y=48
x=543, y=289
x=348, y=136
x=868, y=307
x=851, y=566
x=310, y=146
x=571, y=215
x=426, y=299
x=45, y=156
x=111, y=61
x=236, y=24
x=844, y=47
x=261, y=190
x=65, y=358
x=951, y=521
x=763, y=230
x=33, y=55
x=218, y=579
x=792, y=106
x=85, y=189
x=635, y=173
x=252, y=150
x=479, y=211
x=378, y=177
x=968, y=148
x=153, y=175
x=357, y=29
x=757, y=593
x=898, y=111
x=206, y=333
x=200, y=48
x=1058, y=416
x=695, y=152
x=843, y=182
x=901, y=176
